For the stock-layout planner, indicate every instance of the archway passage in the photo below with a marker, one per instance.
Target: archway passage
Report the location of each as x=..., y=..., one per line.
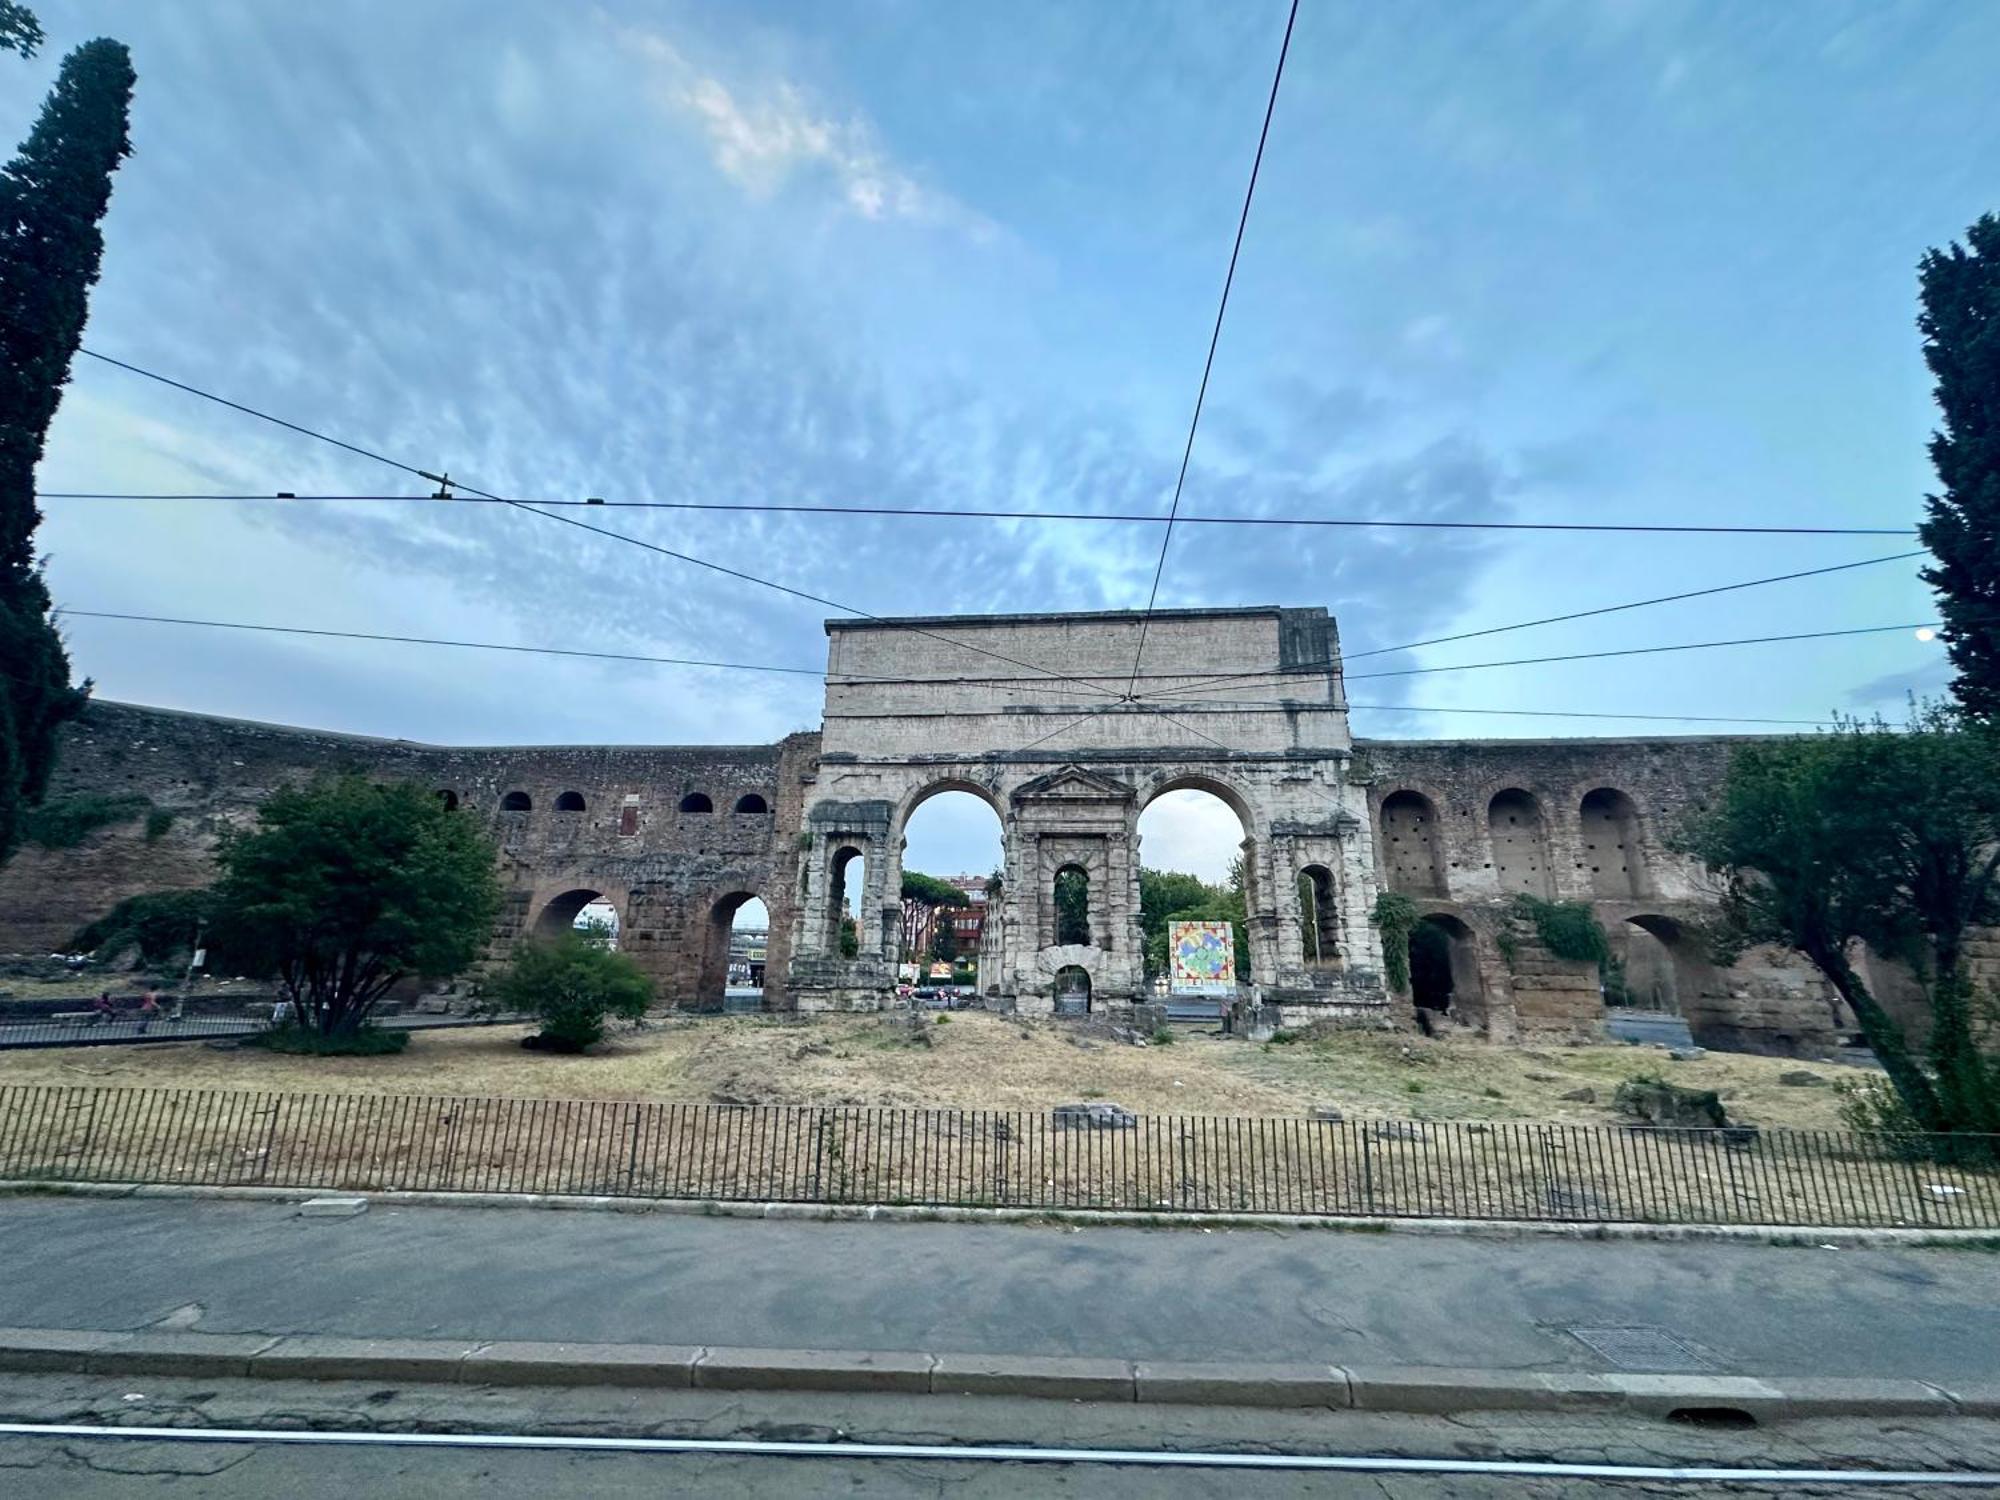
x=848, y=882
x=1072, y=991
x=1444, y=971
x=1195, y=864
x=1609, y=825
x=1519, y=836
x=750, y=802
x=733, y=954
x=563, y=912
x=1319, y=918
x=697, y=802
x=1410, y=856
x=952, y=837
x=1646, y=965
x=517, y=802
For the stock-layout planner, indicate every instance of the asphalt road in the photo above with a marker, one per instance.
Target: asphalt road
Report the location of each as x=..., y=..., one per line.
x=1309, y=1295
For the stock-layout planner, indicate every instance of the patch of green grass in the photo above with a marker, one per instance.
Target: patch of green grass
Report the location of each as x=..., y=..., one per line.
x=1414, y=1086
x=158, y=821
x=1163, y=1037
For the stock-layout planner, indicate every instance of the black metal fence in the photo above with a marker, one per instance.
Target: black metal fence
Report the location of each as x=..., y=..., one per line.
x=93, y=1030
x=1020, y=1159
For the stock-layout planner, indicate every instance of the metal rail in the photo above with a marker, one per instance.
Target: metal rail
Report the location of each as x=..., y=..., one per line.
x=1369, y=1463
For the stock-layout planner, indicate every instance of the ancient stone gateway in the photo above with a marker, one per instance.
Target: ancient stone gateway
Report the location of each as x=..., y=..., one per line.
x=1030, y=713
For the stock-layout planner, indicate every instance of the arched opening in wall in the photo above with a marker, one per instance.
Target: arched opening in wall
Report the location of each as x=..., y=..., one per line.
x=1411, y=857
x=1194, y=866
x=1609, y=824
x=953, y=858
x=739, y=933
x=1519, y=837
x=1444, y=972
x=1072, y=896
x=1072, y=991
x=848, y=883
x=570, y=802
x=1319, y=918
x=697, y=802
x=449, y=798
x=1644, y=971
x=516, y=802
x=572, y=910
x=750, y=802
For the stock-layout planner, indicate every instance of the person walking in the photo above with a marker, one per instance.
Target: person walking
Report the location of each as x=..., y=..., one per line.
x=149, y=1011
x=105, y=1009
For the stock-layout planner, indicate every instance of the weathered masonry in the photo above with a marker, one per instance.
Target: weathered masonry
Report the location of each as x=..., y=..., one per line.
x=1041, y=716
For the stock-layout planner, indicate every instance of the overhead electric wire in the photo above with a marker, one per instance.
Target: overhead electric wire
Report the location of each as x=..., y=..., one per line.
x=1279, y=674
x=761, y=507
x=1214, y=338
x=1582, y=614
x=413, y=640
x=444, y=483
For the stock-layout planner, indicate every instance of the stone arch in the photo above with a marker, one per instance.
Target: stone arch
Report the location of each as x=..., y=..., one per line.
x=1444, y=970
x=1319, y=917
x=517, y=801
x=1412, y=859
x=448, y=797
x=1072, y=989
x=751, y=802
x=1608, y=825
x=719, y=927
x=1655, y=965
x=843, y=854
x=1238, y=800
x=930, y=789
x=697, y=802
x=570, y=802
x=559, y=912
x=1519, y=837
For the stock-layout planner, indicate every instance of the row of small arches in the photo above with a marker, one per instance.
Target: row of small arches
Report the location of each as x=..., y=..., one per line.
x=572, y=802
x=1610, y=845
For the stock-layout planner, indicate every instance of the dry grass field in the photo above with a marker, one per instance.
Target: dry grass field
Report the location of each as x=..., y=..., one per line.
x=975, y=1060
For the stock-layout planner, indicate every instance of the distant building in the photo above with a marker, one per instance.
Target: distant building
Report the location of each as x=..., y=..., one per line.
x=746, y=957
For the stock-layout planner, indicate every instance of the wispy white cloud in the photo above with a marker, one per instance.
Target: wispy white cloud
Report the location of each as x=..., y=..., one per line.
x=764, y=136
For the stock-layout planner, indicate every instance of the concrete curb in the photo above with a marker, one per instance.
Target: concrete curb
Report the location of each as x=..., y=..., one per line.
x=887, y=1213
x=685, y=1367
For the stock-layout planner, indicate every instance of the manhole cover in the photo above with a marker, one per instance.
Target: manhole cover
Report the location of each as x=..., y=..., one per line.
x=1642, y=1349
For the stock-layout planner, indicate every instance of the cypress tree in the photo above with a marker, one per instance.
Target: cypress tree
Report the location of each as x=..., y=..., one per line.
x=1960, y=323
x=52, y=195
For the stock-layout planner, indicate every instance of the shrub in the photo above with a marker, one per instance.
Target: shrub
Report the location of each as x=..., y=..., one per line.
x=65, y=822
x=1162, y=1037
x=364, y=1041
x=158, y=821
x=159, y=926
x=1568, y=929
x=571, y=985
x=1395, y=916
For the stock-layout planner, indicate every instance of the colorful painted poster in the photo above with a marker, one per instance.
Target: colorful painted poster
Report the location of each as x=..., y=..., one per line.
x=1201, y=958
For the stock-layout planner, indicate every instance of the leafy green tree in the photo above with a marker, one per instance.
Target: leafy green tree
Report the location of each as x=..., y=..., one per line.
x=944, y=943
x=1882, y=836
x=1174, y=896
x=1960, y=322
x=345, y=886
x=923, y=894
x=572, y=984
x=52, y=195
x=19, y=30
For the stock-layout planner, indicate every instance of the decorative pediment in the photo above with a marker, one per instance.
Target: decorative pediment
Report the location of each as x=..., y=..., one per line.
x=1074, y=784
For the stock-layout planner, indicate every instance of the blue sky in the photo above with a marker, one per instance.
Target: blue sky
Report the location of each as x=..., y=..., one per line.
x=1604, y=261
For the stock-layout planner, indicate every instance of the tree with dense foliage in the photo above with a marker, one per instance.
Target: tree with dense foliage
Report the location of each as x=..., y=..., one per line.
x=922, y=895
x=1881, y=836
x=52, y=195
x=1960, y=322
x=345, y=886
x=1072, y=896
x=19, y=30
x=572, y=984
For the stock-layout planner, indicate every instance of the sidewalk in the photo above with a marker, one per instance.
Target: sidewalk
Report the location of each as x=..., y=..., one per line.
x=1132, y=1295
